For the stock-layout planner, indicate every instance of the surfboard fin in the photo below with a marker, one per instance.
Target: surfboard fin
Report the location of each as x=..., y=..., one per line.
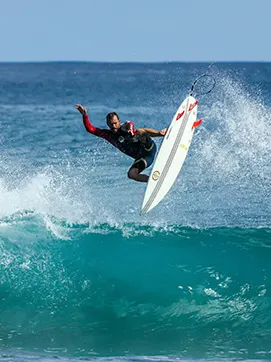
x=197, y=123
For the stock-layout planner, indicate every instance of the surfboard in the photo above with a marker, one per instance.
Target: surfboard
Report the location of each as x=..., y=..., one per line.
x=172, y=153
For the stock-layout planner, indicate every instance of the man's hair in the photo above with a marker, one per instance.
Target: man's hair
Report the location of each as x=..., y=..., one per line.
x=110, y=116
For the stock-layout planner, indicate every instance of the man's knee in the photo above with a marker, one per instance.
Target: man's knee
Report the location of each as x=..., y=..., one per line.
x=132, y=173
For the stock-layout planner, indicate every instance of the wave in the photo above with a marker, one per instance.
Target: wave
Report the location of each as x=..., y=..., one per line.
x=105, y=287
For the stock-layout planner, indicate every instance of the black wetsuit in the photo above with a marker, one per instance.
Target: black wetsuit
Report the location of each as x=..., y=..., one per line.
x=141, y=148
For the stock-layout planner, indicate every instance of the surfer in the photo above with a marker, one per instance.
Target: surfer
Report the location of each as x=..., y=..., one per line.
x=134, y=143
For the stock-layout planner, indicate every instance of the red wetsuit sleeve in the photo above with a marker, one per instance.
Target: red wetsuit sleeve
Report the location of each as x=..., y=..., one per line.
x=95, y=130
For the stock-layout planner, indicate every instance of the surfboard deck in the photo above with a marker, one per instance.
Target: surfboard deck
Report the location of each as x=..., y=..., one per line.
x=171, y=155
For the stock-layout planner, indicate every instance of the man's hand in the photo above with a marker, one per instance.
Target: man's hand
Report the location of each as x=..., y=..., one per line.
x=151, y=132
x=130, y=128
x=81, y=109
x=163, y=131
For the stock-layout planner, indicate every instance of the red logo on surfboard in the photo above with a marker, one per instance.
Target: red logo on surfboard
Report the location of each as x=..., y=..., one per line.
x=179, y=115
x=193, y=105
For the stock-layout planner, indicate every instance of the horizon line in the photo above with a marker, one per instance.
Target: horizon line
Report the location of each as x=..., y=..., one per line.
x=133, y=62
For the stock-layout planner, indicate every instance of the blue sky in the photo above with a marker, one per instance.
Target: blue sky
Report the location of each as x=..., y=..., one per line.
x=138, y=30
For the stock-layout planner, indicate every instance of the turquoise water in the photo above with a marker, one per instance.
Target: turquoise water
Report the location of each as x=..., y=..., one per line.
x=82, y=274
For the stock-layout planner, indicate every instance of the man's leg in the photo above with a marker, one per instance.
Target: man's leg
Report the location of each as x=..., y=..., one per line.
x=134, y=174
x=139, y=165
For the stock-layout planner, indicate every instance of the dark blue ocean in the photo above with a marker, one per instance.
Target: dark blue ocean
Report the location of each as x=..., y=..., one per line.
x=82, y=275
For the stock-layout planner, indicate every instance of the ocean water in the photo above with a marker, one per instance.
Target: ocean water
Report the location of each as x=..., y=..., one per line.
x=82, y=274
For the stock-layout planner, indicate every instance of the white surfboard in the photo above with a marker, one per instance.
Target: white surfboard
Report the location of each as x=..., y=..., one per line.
x=171, y=155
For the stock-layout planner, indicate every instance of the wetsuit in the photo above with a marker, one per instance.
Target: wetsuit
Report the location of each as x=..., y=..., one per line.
x=141, y=148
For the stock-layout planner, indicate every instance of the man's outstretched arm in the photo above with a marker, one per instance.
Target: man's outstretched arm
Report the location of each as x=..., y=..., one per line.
x=88, y=125
x=151, y=132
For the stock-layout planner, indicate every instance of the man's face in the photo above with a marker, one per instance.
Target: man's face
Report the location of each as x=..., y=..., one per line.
x=114, y=124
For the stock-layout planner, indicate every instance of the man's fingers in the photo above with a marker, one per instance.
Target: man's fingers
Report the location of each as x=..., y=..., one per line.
x=81, y=109
x=163, y=131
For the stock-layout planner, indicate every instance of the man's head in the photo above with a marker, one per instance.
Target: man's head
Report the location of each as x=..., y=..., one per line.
x=113, y=121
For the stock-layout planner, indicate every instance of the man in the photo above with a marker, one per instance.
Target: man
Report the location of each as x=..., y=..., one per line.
x=134, y=143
